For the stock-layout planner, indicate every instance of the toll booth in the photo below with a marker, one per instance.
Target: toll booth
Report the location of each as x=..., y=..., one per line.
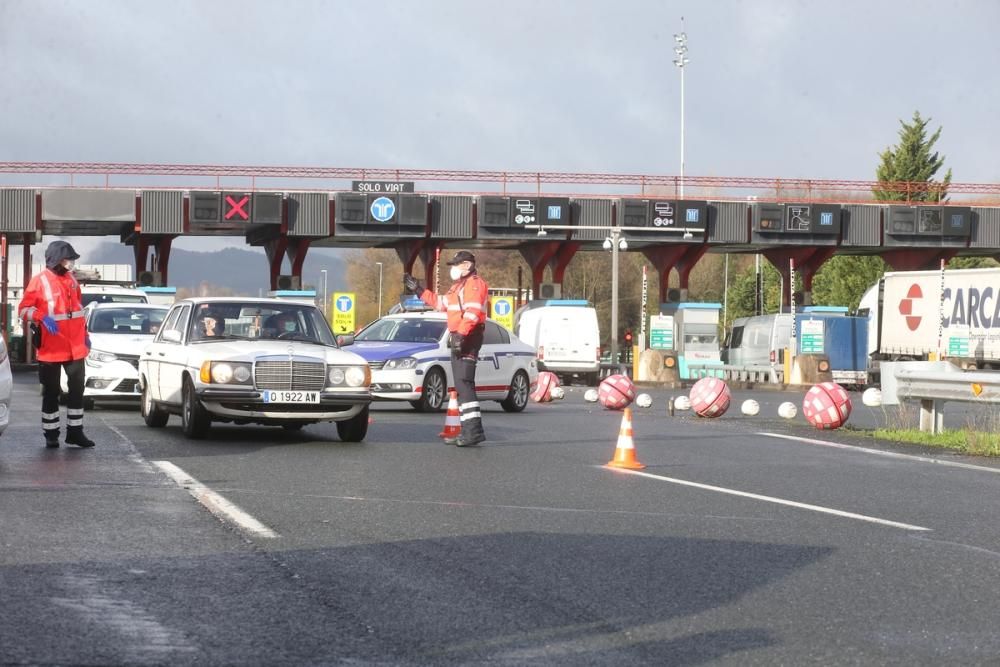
x=695, y=336
x=163, y=296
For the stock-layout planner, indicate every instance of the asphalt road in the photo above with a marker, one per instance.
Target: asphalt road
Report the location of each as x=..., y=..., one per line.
x=734, y=546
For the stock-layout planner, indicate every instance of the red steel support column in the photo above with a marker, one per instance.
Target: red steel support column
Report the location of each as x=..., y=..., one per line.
x=296, y=252
x=424, y=250
x=141, y=252
x=163, y=245
x=665, y=257
x=686, y=263
x=917, y=259
x=561, y=260
x=275, y=250
x=538, y=255
x=808, y=260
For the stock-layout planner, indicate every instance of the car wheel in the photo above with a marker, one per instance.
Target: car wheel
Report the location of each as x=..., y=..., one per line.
x=354, y=429
x=153, y=415
x=195, y=421
x=517, y=397
x=435, y=394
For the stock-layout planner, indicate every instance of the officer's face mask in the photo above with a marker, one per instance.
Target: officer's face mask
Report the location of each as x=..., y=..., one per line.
x=459, y=271
x=68, y=264
x=289, y=326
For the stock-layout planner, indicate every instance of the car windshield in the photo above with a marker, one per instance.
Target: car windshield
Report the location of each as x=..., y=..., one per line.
x=404, y=330
x=126, y=320
x=260, y=321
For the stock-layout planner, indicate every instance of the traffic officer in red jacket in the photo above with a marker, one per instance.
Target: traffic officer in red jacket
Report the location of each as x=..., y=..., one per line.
x=52, y=301
x=465, y=304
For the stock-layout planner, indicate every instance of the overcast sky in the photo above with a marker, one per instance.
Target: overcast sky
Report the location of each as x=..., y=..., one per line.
x=774, y=88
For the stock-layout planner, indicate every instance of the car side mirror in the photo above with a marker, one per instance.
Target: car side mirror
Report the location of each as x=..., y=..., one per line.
x=171, y=336
x=345, y=340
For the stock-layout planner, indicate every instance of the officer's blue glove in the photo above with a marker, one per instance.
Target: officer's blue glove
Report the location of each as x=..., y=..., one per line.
x=50, y=324
x=87, y=341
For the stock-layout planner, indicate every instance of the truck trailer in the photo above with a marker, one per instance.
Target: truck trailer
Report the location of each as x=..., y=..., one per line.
x=953, y=314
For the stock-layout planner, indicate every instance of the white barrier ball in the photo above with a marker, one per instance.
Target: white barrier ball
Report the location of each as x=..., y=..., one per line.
x=590, y=396
x=750, y=407
x=682, y=403
x=872, y=397
x=644, y=400
x=557, y=393
x=787, y=410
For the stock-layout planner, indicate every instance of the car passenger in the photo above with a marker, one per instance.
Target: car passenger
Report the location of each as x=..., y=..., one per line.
x=210, y=325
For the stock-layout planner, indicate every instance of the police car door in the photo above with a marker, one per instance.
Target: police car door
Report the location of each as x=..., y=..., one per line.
x=493, y=372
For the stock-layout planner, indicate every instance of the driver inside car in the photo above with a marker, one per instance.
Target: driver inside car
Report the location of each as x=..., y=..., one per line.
x=280, y=323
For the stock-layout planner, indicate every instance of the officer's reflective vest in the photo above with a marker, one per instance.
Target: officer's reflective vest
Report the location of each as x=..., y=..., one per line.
x=465, y=303
x=49, y=293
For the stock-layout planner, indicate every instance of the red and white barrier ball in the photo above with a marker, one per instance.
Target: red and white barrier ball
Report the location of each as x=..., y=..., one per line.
x=616, y=392
x=710, y=397
x=542, y=390
x=826, y=406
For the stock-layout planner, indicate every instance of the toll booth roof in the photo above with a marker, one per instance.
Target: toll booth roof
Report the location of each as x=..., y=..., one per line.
x=690, y=305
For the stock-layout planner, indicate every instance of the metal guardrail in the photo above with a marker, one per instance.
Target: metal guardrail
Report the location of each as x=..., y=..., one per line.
x=934, y=388
x=757, y=374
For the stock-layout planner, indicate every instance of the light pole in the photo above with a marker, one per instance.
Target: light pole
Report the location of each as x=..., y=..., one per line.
x=614, y=243
x=323, y=273
x=379, y=264
x=680, y=61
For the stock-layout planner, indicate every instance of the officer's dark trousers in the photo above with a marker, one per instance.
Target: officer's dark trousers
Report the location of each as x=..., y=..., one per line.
x=51, y=379
x=463, y=369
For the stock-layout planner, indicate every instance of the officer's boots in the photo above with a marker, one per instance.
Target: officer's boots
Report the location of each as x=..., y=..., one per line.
x=51, y=439
x=75, y=436
x=472, y=433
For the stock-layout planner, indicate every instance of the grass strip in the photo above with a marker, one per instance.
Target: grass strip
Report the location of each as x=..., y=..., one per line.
x=966, y=441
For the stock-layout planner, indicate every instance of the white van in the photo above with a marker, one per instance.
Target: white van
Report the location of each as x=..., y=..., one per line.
x=565, y=335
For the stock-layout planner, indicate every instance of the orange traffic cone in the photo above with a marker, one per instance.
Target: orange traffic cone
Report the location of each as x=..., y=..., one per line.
x=453, y=420
x=625, y=451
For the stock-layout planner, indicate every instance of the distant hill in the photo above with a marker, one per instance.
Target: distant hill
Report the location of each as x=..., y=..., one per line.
x=244, y=271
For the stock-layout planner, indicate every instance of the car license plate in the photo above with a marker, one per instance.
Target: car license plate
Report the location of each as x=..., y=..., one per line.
x=291, y=396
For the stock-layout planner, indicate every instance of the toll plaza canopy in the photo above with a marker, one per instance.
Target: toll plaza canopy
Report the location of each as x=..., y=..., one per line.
x=547, y=217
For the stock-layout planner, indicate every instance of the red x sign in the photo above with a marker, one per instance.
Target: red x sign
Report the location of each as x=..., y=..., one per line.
x=234, y=208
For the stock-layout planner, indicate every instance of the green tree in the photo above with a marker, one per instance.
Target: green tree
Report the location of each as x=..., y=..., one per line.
x=843, y=279
x=907, y=170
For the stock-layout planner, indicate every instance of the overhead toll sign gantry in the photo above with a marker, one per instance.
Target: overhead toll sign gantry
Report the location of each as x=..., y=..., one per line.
x=663, y=220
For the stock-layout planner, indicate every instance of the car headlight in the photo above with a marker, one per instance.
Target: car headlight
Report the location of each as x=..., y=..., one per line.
x=350, y=376
x=222, y=373
x=101, y=357
x=400, y=364
x=226, y=372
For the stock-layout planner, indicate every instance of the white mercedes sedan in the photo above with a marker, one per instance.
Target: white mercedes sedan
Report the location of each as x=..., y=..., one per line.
x=264, y=361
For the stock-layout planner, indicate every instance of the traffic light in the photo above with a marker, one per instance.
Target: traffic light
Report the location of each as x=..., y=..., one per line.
x=628, y=336
x=628, y=345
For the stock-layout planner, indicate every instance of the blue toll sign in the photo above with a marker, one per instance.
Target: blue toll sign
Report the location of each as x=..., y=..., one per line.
x=383, y=209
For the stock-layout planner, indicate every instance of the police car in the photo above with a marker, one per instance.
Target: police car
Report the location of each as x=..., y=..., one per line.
x=410, y=360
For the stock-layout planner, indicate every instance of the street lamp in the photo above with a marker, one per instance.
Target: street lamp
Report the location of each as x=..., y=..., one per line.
x=323, y=273
x=680, y=61
x=614, y=243
x=379, y=264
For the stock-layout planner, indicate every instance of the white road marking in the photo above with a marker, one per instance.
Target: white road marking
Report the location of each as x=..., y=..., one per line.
x=879, y=452
x=216, y=504
x=771, y=499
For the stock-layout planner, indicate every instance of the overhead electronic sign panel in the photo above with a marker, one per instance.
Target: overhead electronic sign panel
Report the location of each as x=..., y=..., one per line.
x=205, y=207
x=494, y=212
x=813, y=219
x=236, y=206
x=267, y=208
x=632, y=212
x=412, y=211
x=768, y=217
x=943, y=221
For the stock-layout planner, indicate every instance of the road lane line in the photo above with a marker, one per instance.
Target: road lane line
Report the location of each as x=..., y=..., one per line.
x=879, y=452
x=215, y=503
x=770, y=499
